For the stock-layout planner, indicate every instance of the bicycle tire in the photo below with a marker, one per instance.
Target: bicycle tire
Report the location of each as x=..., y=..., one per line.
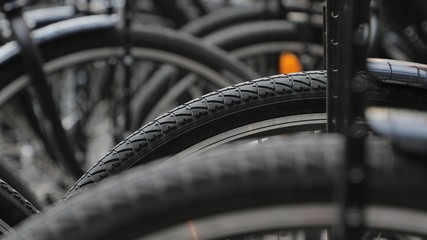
x=81, y=39
x=246, y=34
x=202, y=26
x=41, y=17
x=233, y=107
x=259, y=44
x=229, y=16
x=198, y=196
x=14, y=208
x=7, y=175
x=172, y=11
x=100, y=31
x=246, y=42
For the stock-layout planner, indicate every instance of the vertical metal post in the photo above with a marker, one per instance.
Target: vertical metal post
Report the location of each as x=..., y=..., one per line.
x=331, y=42
x=350, y=44
x=127, y=62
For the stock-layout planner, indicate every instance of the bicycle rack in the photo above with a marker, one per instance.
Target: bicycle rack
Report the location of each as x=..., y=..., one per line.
x=346, y=36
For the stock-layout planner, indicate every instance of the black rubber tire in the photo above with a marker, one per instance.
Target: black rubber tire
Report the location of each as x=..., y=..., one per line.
x=226, y=17
x=172, y=11
x=295, y=173
x=246, y=34
x=53, y=46
x=233, y=107
x=7, y=175
x=258, y=44
x=14, y=208
x=233, y=39
x=230, y=16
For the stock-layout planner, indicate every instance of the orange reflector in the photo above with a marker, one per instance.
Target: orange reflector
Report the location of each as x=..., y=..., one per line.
x=289, y=63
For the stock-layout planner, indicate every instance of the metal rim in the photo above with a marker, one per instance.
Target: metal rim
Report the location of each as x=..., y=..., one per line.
x=316, y=121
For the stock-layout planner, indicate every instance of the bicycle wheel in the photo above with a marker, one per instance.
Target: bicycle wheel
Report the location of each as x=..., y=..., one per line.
x=277, y=104
x=81, y=53
x=242, y=192
x=261, y=44
x=14, y=208
x=226, y=17
x=229, y=16
x=9, y=177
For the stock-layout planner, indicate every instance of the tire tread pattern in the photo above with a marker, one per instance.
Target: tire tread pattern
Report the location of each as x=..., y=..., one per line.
x=142, y=139
x=126, y=153
x=14, y=208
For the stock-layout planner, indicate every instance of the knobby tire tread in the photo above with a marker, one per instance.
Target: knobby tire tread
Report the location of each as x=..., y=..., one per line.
x=14, y=207
x=123, y=154
x=7, y=175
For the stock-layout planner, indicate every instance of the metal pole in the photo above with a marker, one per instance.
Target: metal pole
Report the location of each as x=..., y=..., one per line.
x=331, y=59
x=127, y=61
x=351, y=45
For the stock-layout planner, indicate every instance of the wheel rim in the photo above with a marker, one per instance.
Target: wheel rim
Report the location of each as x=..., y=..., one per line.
x=282, y=125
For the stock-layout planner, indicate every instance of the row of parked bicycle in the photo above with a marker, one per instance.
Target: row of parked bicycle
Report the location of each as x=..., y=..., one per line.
x=152, y=89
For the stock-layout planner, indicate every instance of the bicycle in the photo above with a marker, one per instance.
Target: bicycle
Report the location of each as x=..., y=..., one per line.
x=271, y=190
x=100, y=33
x=262, y=43
x=211, y=186
x=401, y=39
